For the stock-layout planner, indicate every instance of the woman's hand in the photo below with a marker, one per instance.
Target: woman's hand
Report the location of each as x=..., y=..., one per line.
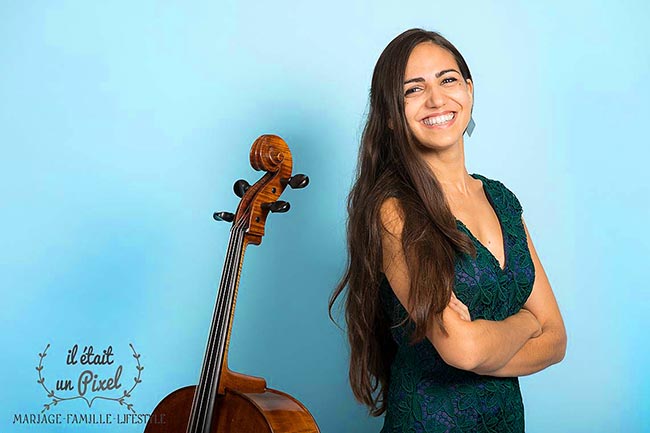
x=459, y=307
x=462, y=310
x=537, y=326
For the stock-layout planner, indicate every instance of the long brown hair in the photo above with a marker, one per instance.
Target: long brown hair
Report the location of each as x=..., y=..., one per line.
x=390, y=166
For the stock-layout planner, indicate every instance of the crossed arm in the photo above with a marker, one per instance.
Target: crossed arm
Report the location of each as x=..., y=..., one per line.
x=522, y=344
x=539, y=351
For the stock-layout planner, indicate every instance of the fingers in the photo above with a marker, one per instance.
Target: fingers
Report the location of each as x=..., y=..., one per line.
x=464, y=315
x=460, y=308
x=538, y=330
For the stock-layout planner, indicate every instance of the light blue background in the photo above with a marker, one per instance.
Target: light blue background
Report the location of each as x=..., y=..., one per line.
x=124, y=124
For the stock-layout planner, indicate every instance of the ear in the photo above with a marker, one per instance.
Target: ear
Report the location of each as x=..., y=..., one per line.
x=390, y=124
x=470, y=89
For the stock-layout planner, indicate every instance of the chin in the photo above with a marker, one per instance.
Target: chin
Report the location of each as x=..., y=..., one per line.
x=440, y=144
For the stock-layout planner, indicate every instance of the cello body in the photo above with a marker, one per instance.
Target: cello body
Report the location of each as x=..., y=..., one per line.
x=225, y=401
x=270, y=411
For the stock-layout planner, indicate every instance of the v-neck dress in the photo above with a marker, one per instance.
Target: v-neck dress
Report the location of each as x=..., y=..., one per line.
x=428, y=395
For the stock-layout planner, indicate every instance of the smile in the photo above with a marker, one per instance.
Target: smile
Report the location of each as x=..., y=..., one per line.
x=440, y=121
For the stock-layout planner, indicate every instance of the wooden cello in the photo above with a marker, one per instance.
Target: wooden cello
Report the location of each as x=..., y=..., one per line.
x=224, y=401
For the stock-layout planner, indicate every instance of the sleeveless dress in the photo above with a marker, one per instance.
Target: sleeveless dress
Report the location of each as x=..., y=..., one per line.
x=428, y=395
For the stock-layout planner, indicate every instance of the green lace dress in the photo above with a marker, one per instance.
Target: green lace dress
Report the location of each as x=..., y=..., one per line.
x=428, y=395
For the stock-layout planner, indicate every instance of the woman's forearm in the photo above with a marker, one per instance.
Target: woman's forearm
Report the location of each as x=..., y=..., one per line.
x=535, y=355
x=495, y=342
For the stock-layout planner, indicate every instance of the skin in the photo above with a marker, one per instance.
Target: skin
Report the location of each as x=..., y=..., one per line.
x=522, y=344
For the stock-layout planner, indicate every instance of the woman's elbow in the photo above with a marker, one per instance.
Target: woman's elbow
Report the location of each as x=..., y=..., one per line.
x=463, y=355
x=561, y=344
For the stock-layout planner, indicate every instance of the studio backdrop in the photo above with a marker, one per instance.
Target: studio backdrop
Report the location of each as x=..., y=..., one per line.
x=125, y=124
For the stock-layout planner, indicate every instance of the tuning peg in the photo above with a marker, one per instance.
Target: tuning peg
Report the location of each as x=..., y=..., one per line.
x=224, y=216
x=296, y=181
x=240, y=187
x=277, y=206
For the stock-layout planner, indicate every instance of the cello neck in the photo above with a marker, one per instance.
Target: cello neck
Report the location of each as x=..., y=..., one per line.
x=207, y=389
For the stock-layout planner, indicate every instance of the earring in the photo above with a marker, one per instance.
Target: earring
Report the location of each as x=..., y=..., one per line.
x=470, y=126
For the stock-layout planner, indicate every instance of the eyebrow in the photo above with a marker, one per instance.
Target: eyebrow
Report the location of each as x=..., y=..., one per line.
x=438, y=75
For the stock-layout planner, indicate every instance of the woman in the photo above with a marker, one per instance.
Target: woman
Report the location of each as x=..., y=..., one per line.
x=447, y=301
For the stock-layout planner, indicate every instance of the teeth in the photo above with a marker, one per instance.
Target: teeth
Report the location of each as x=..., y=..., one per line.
x=438, y=120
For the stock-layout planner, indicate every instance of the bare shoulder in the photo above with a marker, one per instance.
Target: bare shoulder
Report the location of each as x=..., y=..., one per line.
x=392, y=216
x=454, y=346
x=393, y=261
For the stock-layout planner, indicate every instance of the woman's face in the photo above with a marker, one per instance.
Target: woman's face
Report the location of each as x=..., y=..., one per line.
x=437, y=100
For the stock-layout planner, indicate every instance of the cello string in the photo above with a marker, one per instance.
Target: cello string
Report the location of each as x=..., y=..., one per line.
x=206, y=402
x=207, y=373
x=214, y=359
x=198, y=413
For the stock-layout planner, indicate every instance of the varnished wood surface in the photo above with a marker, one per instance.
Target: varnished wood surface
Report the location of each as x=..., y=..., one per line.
x=242, y=404
x=269, y=411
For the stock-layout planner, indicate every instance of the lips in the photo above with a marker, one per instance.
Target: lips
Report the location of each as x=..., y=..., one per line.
x=439, y=120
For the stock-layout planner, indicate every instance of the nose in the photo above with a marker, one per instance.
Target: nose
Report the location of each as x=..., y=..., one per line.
x=435, y=97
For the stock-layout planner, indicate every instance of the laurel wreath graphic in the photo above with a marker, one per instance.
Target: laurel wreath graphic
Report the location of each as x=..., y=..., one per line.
x=57, y=399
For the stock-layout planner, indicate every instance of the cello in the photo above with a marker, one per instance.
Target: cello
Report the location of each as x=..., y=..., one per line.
x=225, y=401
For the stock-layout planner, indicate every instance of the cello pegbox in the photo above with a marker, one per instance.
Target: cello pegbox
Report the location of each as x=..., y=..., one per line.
x=276, y=206
x=224, y=216
x=240, y=187
x=297, y=181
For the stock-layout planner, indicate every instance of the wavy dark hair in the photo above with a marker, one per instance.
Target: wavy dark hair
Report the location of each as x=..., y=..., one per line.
x=390, y=166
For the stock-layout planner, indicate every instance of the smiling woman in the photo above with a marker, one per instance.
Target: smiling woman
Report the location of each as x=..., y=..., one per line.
x=436, y=97
x=447, y=301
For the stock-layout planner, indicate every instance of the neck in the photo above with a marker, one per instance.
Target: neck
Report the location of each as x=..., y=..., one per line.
x=448, y=165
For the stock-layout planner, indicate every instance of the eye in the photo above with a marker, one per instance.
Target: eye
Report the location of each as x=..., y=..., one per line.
x=449, y=80
x=412, y=90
